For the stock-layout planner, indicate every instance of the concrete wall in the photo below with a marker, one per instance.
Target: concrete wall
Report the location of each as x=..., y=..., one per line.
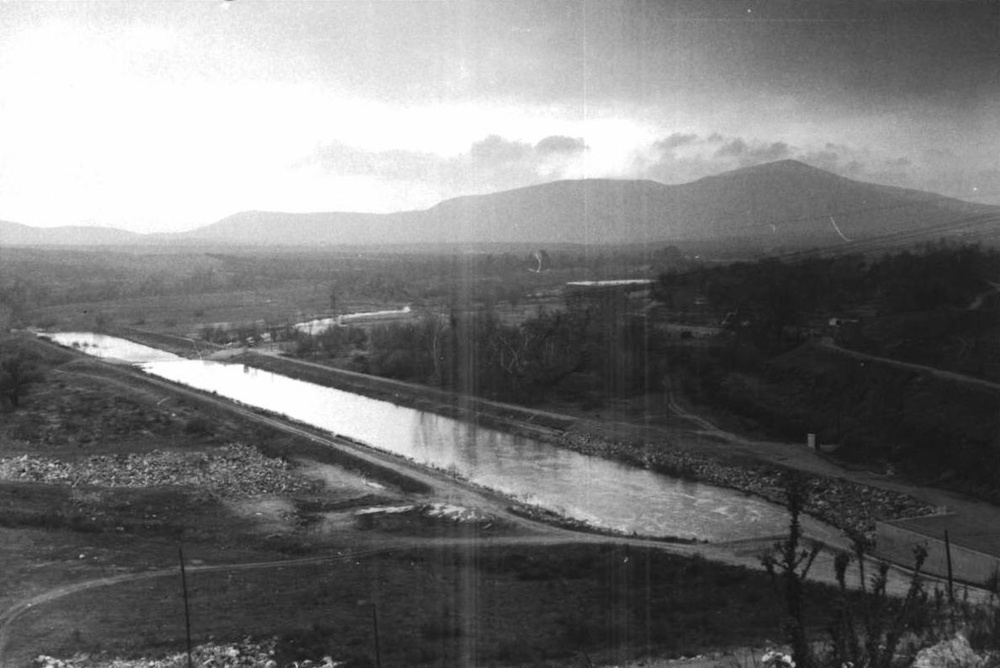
x=895, y=544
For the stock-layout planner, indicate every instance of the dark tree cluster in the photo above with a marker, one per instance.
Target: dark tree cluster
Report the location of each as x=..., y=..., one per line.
x=18, y=370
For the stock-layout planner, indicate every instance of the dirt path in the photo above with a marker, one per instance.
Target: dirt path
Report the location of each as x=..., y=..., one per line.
x=744, y=553
x=910, y=366
x=552, y=536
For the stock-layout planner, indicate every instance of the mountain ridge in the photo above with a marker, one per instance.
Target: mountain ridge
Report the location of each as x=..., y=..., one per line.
x=774, y=204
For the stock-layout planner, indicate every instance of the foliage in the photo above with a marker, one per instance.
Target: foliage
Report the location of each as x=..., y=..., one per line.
x=474, y=352
x=871, y=634
x=19, y=369
x=868, y=626
x=789, y=563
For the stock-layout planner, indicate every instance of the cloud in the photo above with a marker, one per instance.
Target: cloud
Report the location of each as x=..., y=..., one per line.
x=748, y=155
x=734, y=147
x=560, y=144
x=680, y=158
x=497, y=150
x=342, y=159
x=488, y=164
x=675, y=140
x=498, y=163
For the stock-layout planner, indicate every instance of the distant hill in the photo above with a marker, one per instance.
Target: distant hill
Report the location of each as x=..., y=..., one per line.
x=16, y=234
x=777, y=205
x=270, y=227
x=782, y=203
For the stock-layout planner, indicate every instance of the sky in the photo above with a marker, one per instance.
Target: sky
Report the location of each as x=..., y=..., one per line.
x=166, y=115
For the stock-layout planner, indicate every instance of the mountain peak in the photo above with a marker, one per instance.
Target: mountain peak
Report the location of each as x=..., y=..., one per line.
x=777, y=168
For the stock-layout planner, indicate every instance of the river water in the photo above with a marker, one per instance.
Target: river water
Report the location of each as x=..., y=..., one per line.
x=320, y=325
x=604, y=493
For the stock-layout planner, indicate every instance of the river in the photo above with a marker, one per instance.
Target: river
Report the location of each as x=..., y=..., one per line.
x=598, y=491
x=320, y=325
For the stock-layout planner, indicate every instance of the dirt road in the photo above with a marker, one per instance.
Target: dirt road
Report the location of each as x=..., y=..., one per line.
x=910, y=366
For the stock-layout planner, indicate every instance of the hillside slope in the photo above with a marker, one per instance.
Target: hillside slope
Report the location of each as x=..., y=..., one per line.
x=16, y=234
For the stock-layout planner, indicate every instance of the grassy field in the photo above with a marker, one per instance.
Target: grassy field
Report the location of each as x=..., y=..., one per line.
x=435, y=606
x=188, y=313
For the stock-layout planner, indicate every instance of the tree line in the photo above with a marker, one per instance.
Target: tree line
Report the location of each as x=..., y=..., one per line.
x=581, y=353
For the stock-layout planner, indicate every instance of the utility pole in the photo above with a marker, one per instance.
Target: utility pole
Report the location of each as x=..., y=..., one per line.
x=378, y=650
x=187, y=611
x=947, y=553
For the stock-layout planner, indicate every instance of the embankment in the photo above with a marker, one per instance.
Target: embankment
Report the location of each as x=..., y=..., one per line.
x=841, y=503
x=512, y=419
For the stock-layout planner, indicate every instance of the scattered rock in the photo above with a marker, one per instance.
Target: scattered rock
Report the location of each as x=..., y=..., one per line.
x=843, y=504
x=243, y=654
x=235, y=470
x=954, y=653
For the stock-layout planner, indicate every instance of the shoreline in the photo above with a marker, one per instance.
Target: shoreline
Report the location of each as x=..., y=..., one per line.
x=845, y=505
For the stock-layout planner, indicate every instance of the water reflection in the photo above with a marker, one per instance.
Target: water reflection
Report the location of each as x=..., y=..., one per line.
x=111, y=347
x=603, y=492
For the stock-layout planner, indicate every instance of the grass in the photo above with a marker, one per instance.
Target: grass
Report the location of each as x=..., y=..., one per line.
x=481, y=606
x=184, y=313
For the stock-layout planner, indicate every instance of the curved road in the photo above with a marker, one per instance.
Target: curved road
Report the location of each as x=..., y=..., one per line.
x=910, y=366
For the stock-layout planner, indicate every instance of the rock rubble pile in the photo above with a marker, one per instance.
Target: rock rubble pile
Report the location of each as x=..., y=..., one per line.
x=244, y=654
x=844, y=504
x=234, y=470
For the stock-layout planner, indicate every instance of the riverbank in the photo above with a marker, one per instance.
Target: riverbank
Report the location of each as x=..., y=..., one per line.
x=171, y=343
x=700, y=525
x=835, y=501
x=849, y=506
x=505, y=417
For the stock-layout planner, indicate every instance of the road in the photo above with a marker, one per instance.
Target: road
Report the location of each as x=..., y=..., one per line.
x=910, y=366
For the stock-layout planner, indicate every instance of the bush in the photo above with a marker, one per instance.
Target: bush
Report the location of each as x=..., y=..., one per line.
x=18, y=370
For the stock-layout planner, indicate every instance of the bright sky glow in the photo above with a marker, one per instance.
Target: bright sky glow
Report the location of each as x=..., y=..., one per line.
x=168, y=116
